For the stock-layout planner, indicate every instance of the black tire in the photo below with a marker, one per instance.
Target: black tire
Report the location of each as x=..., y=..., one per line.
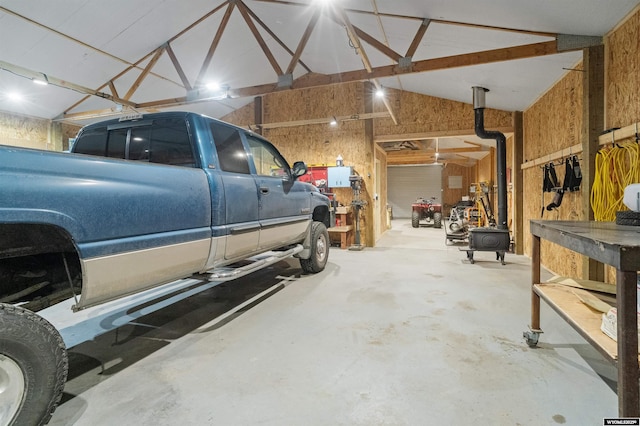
x=437, y=220
x=33, y=367
x=415, y=219
x=628, y=217
x=319, y=249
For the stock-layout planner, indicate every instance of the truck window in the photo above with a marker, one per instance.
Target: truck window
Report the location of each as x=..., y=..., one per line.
x=92, y=142
x=165, y=141
x=231, y=153
x=117, y=143
x=267, y=160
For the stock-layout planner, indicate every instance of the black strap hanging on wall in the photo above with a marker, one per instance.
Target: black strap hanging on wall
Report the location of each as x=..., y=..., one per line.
x=568, y=173
x=576, y=176
x=550, y=182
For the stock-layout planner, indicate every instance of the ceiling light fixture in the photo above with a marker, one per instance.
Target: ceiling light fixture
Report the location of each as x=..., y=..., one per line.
x=334, y=121
x=44, y=81
x=380, y=92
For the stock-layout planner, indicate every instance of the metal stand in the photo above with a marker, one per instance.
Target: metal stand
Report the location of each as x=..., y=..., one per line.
x=358, y=204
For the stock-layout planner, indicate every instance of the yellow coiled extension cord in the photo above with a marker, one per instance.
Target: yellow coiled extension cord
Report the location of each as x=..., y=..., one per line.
x=616, y=167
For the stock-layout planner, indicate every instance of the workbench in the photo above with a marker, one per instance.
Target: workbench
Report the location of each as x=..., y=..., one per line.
x=343, y=231
x=611, y=244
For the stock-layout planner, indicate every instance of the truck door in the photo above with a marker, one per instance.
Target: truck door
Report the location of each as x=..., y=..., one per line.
x=285, y=203
x=241, y=194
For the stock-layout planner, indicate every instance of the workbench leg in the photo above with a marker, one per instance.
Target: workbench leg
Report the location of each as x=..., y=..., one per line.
x=535, y=279
x=531, y=336
x=628, y=372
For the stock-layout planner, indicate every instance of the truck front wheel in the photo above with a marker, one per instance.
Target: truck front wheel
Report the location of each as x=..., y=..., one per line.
x=319, y=249
x=33, y=367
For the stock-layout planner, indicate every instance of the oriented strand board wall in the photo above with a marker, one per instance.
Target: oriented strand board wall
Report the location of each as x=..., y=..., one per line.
x=242, y=117
x=622, y=81
x=38, y=133
x=451, y=196
x=27, y=132
x=419, y=113
x=551, y=124
x=622, y=75
x=322, y=143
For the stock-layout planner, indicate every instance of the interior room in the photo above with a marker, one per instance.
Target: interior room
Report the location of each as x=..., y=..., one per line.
x=312, y=212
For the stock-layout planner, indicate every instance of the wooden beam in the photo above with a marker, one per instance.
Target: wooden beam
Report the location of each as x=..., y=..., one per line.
x=593, y=112
x=396, y=158
x=517, y=181
x=105, y=112
x=256, y=34
x=434, y=134
x=443, y=63
x=198, y=21
x=144, y=73
x=418, y=18
x=112, y=88
x=351, y=32
x=417, y=38
x=303, y=41
x=317, y=80
x=54, y=81
x=383, y=48
x=214, y=44
x=276, y=38
x=386, y=102
x=178, y=67
x=325, y=120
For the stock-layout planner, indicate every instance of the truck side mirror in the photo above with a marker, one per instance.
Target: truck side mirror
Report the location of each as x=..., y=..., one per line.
x=298, y=169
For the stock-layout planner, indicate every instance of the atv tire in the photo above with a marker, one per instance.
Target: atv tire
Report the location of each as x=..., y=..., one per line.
x=415, y=219
x=437, y=220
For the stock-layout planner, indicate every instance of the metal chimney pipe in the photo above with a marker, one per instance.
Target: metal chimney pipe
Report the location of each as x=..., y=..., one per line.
x=501, y=151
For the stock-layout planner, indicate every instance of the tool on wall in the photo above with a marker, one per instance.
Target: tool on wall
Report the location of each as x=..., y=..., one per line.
x=571, y=182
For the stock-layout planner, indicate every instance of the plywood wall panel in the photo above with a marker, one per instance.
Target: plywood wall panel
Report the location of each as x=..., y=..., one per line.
x=419, y=113
x=554, y=122
x=243, y=117
x=451, y=196
x=27, y=132
x=623, y=74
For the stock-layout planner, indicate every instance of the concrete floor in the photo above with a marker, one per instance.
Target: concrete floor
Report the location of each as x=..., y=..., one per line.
x=406, y=333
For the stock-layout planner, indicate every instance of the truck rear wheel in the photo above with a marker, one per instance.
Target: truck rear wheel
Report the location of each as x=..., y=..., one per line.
x=319, y=249
x=33, y=367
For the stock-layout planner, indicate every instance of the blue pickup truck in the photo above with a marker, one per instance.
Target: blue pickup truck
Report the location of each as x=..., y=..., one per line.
x=139, y=202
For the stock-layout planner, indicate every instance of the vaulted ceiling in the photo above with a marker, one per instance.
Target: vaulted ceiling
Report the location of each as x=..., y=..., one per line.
x=103, y=58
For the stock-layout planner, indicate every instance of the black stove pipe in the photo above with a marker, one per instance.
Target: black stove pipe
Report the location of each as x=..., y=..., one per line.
x=501, y=151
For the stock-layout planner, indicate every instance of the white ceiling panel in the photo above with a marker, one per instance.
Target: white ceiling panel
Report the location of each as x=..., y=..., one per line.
x=90, y=42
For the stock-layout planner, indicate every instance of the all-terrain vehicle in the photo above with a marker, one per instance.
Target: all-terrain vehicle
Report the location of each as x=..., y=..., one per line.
x=426, y=210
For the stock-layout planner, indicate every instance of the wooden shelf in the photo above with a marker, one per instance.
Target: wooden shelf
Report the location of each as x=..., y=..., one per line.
x=583, y=319
x=344, y=233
